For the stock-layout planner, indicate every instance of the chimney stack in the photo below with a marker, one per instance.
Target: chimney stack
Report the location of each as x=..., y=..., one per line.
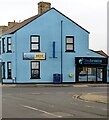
x=43, y=7
x=11, y=24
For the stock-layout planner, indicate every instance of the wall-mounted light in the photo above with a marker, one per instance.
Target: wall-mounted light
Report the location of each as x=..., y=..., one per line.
x=71, y=75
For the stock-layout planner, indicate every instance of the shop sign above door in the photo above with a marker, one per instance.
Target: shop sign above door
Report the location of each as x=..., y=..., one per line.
x=90, y=61
x=34, y=56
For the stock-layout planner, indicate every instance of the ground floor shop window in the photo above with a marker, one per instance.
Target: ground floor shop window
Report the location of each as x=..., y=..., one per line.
x=35, y=70
x=90, y=74
x=91, y=69
x=108, y=72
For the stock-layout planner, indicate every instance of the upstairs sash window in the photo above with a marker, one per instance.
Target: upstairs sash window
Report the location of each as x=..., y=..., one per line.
x=69, y=43
x=9, y=42
x=35, y=43
x=3, y=45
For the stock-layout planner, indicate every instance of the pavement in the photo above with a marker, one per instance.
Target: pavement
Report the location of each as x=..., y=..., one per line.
x=57, y=85
x=93, y=97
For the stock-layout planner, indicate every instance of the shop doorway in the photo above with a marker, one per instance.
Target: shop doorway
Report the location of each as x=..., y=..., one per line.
x=90, y=74
x=100, y=73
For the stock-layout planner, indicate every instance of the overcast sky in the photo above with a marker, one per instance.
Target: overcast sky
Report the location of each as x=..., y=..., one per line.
x=90, y=14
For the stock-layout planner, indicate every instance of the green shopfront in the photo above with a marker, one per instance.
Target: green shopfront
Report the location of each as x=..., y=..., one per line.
x=89, y=69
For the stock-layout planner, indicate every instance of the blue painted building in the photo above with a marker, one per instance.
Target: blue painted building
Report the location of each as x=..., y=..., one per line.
x=49, y=48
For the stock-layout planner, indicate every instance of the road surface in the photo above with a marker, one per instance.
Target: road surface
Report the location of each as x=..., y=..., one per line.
x=51, y=102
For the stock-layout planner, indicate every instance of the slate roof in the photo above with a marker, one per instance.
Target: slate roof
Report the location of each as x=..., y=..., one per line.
x=19, y=25
x=102, y=53
x=27, y=21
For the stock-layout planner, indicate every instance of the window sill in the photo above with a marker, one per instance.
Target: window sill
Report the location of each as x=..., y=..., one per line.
x=9, y=78
x=35, y=51
x=70, y=51
x=35, y=78
x=9, y=52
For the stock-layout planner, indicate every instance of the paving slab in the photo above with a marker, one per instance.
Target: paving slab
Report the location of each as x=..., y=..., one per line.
x=56, y=85
x=94, y=98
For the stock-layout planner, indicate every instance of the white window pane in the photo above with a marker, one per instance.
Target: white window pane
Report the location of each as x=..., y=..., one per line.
x=70, y=47
x=35, y=39
x=9, y=65
x=9, y=40
x=35, y=65
x=9, y=47
x=69, y=40
x=35, y=47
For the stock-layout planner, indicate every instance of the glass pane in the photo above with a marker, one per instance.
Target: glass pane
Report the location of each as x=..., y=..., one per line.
x=9, y=47
x=108, y=72
x=92, y=74
x=99, y=74
x=9, y=40
x=9, y=65
x=35, y=73
x=69, y=46
x=9, y=73
x=3, y=70
x=69, y=40
x=82, y=74
x=35, y=39
x=35, y=65
x=35, y=47
x=3, y=45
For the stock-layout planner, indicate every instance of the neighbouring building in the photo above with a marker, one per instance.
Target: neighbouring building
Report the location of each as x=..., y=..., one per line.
x=108, y=37
x=50, y=48
x=108, y=70
x=106, y=55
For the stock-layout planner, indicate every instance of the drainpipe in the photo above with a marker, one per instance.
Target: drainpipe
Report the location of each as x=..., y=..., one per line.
x=15, y=56
x=61, y=53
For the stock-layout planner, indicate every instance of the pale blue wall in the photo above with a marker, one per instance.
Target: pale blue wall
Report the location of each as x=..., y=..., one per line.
x=50, y=31
x=108, y=70
x=48, y=26
x=6, y=57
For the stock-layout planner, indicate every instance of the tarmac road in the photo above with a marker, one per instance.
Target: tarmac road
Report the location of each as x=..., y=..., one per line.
x=51, y=102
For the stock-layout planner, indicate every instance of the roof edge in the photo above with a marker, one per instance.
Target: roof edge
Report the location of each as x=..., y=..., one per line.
x=71, y=20
x=98, y=52
x=35, y=17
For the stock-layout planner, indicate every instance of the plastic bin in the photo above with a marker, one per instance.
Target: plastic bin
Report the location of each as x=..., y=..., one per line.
x=56, y=78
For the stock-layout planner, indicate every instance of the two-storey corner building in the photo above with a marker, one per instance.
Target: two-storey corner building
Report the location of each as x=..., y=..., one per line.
x=50, y=48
